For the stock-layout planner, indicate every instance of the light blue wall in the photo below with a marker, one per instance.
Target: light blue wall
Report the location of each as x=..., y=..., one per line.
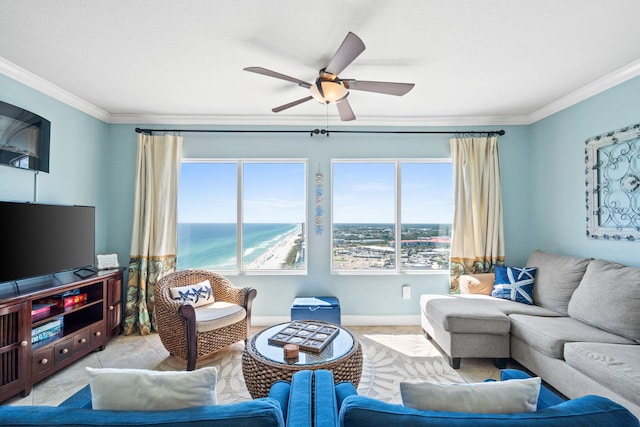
x=558, y=157
x=542, y=165
x=364, y=295
x=79, y=158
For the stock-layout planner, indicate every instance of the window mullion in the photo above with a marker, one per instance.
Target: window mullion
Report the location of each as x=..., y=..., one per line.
x=239, y=217
x=398, y=219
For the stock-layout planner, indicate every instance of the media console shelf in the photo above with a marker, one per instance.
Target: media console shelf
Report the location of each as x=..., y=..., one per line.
x=60, y=334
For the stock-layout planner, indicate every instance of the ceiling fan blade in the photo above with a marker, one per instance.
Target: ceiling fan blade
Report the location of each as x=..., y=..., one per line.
x=388, y=88
x=349, y=50
x=291, y=104
x=345, y=111
x=277, y=75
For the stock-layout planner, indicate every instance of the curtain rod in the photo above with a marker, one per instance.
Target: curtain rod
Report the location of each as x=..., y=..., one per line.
x=319, y=131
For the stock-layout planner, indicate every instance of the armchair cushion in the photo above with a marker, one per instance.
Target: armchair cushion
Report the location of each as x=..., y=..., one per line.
x=218, y=315
x=197, y=295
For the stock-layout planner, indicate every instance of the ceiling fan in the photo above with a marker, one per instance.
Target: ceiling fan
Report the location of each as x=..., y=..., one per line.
x=331, y=89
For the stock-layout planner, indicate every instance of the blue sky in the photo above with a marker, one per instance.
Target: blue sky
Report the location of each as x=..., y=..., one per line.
x=274, y=192
x=365, y=192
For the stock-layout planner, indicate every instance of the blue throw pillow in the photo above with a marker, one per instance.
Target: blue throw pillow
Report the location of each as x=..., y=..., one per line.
x=513, y=283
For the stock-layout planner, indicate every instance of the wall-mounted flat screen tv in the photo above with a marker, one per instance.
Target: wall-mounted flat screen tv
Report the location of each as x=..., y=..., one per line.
x=24, y=138
x=40, y=239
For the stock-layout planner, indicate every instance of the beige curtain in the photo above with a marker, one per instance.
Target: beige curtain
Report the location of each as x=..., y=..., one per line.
x=154, y=239
x=477, y=236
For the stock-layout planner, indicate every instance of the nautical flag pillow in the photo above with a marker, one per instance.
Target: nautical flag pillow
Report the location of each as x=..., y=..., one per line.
x=513, y=283
x=196, y=295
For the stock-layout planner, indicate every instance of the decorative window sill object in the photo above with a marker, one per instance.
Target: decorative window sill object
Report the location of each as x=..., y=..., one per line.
x=613, y=185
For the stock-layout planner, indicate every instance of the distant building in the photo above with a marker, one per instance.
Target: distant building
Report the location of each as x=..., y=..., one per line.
x=431, y=242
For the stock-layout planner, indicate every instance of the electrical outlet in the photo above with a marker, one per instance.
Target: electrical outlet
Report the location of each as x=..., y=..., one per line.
x=406, y=292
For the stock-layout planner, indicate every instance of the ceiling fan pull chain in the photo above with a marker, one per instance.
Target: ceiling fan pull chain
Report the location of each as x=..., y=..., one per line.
x=327, y=128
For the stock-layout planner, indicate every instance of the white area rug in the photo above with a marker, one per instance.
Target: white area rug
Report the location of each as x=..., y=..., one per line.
x=390, y=356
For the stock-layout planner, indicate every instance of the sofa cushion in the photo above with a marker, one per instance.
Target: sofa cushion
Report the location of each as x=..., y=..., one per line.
x=545, y=398
x=148, y=390
x=505, y=306
x=556, y=279
x=495, y=397
x=615, y=366
x=464, y=315
x=609, y=298
x=549, y=334
x=479, y=283
x=361, y=411
x=514, y=283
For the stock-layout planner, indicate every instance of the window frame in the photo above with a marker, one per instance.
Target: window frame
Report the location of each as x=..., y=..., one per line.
x=398, y=162
x=239, y=181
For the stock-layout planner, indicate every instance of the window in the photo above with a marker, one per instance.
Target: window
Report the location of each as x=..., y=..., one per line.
x=374, y=202
x=242, y=215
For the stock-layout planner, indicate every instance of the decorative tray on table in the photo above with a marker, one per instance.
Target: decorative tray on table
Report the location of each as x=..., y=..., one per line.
x=307, y=335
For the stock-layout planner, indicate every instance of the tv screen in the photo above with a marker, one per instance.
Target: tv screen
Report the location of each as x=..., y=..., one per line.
x=40, y=239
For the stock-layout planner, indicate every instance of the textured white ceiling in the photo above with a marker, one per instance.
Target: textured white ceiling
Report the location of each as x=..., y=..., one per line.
x=473, y=61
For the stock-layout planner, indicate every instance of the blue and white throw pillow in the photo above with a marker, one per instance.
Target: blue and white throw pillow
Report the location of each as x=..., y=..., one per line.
x=513, y=283
x=197, y=295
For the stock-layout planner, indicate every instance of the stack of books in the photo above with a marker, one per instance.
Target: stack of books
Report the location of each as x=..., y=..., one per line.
x=48, y=330
x=64, y=300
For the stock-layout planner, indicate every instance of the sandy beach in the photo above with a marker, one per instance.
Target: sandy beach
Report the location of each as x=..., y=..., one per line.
x=276, y=255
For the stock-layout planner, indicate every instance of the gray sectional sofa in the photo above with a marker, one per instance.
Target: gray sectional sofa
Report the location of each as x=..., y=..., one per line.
x=581, y=334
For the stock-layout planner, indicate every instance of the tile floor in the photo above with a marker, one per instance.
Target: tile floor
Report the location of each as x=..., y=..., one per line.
x=147, y=352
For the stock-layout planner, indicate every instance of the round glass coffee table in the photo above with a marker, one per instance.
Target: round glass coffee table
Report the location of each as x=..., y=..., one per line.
x=264, y=363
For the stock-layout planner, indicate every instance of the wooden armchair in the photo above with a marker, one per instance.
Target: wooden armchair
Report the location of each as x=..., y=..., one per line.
x=190, y=332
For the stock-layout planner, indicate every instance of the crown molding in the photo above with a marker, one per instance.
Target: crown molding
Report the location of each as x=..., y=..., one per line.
x=607, y=82
x=35, y=82
x=31, y=80
x=270, y=120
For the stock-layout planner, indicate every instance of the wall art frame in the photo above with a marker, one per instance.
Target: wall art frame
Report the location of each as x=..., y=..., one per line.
x=613, y=185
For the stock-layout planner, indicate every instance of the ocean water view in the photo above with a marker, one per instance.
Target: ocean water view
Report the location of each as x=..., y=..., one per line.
x=213, y=245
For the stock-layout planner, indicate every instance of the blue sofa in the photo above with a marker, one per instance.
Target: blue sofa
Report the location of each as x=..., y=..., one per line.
x=287, y=402
x=312, y=399
x=340, y=405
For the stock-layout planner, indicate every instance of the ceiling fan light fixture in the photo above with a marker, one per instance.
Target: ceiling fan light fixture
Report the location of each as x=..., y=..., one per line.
x=328, y=88
x=332, y=92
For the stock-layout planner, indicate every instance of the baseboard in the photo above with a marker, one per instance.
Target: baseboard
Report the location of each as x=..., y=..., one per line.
x=347, y=320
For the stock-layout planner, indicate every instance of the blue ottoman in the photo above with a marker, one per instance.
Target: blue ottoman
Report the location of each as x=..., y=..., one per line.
x=326, y=309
